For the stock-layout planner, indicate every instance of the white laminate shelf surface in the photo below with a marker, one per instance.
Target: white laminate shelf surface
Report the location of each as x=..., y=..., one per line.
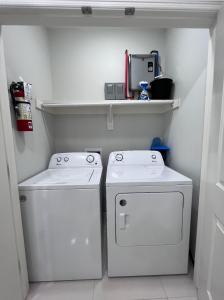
x=111, y=106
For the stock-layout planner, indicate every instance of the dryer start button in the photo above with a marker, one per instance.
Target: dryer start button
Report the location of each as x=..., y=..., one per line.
x=90, y=158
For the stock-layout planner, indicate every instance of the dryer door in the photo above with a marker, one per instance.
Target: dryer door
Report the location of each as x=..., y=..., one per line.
x=144, y=219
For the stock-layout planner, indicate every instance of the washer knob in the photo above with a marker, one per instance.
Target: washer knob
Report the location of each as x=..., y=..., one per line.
x=90, y=158
x=119, y=157
x=58, y=159
x=153, y=156
x=66, y=159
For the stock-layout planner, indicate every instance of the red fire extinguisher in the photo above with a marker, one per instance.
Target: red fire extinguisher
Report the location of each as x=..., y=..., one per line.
x=21, y=93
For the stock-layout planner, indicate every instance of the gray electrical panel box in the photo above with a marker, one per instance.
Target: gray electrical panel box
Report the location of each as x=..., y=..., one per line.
x=109, y=90
x=120, y=91
x=141, y=68
x=114, y=91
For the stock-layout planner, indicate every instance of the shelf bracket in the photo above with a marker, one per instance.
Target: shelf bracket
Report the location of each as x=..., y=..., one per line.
x=39, y=104
x=176, y=103
x=110, y=118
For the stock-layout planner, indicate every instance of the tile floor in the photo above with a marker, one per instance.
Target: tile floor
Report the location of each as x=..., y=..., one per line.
x=179, y=287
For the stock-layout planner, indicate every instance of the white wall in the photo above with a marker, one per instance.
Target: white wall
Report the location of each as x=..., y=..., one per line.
x=75, y=133
x=27, y=55
x=186, y=62
x=96, y=56
x=83, y=59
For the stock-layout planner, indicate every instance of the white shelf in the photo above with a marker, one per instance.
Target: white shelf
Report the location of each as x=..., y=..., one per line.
x=109, y=107
x=98, y=107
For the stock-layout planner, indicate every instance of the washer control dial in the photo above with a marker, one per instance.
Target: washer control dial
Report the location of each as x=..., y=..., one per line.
x=90, y=158
x=119, y=157
x=153, y=156
x=66, y=159
x=59, y=159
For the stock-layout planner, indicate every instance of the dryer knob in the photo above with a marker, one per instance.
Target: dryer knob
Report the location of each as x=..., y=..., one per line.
x=58, y=159
x=119, y=157
x=90, y=158
x=123, y=202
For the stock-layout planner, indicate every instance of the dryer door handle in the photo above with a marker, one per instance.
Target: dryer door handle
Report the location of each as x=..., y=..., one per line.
x=122, y=220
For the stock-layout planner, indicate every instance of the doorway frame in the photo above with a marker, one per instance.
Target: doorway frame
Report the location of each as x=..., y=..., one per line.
x=8, y=144
x=47, y=13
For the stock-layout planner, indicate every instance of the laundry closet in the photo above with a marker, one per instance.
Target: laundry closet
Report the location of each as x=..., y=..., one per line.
x=68, y=67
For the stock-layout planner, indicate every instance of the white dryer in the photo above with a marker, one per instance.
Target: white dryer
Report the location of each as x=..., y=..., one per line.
x=148, y=215
x=61, y=214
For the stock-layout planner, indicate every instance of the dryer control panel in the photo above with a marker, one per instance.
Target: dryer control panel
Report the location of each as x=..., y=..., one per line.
x=136, y=157
x=74, y=160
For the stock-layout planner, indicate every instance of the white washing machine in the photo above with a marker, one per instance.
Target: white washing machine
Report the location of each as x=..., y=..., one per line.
x=61, y=214
x=148, y=215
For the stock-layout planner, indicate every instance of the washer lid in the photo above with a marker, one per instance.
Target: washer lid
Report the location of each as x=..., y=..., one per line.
x=63, y=179
x=144, y=175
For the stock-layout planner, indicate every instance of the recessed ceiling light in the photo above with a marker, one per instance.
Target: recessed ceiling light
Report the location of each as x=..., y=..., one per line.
x=129, y=11
x=87, y=10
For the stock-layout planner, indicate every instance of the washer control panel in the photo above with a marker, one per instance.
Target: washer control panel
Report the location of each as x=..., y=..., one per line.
x=136, y=157
x=75, y=159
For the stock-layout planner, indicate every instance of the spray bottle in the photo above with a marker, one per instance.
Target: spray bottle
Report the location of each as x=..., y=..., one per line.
x=144, y=95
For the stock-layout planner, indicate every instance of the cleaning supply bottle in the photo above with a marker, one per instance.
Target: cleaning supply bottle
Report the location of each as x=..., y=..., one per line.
x=144, y=95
